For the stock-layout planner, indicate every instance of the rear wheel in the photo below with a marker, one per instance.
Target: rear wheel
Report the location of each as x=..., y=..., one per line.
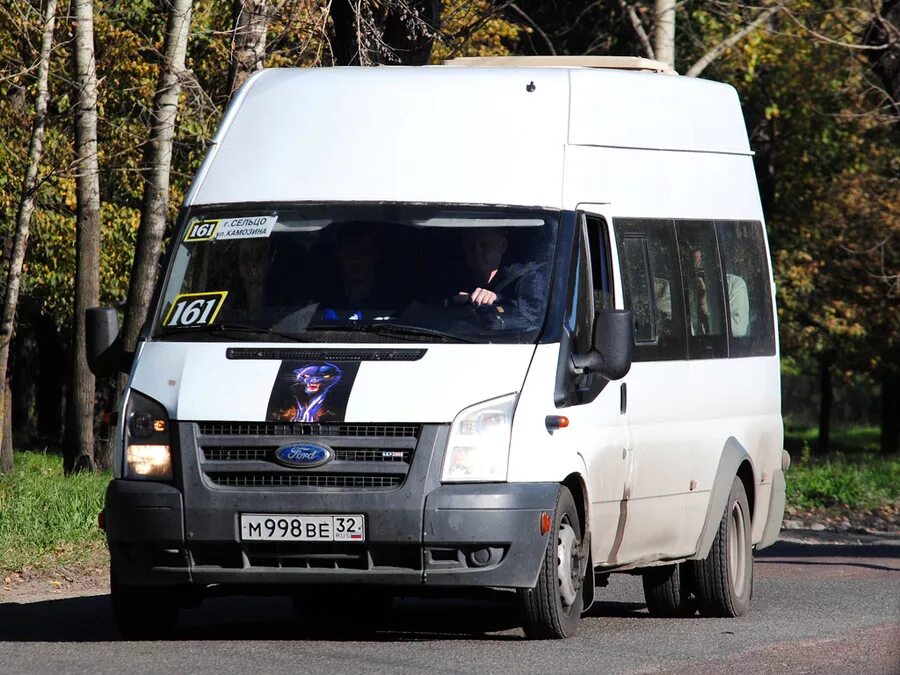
x=142, y=612
x=667, y=590
x=552, y=609
x=724, y=579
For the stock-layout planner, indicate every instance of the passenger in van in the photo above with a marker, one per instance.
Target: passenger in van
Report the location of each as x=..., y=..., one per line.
x=513, y=288
x=738, y=305
x=360, y=283
x=738, y=301
x=254, y=260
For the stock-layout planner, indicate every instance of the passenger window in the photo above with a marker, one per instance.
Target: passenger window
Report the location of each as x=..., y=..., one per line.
x=636, y=280
x=749, y=299
x=592, y=287
x=703, y=289
x=652, y=281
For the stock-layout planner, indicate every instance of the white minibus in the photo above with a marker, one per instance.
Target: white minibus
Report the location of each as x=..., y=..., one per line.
x=500, y=323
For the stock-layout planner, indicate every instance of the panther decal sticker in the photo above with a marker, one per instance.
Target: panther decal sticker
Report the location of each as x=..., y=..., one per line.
x=311, y=392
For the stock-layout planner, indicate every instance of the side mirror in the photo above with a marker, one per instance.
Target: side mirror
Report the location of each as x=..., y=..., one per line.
x=610, y=355
x=614, y=339
x=105, y=355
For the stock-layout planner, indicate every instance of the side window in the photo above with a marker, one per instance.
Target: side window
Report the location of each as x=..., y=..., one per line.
x=648, y=255
x=636, y=281
x=748, y=293
x=583, y=300
x=704, y=297
x=600, y=263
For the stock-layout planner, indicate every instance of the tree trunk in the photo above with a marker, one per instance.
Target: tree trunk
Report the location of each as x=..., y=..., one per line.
x=158, y=162
x=248, y=44
x=825, y=401
x=23, y=219
x=79, y=445
x=6, y=439
x=664, y=32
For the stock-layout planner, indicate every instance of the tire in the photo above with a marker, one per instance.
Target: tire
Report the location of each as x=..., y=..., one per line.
x=667, y=590
x=723, y=581
x=143, y=612
x=552, y=609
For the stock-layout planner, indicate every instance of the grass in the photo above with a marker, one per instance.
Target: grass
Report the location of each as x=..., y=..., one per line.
x=845, y=440
x=47, y=519
x=856, y=481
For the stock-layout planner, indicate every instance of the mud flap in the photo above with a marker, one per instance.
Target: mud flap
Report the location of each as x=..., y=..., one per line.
x=587, y=574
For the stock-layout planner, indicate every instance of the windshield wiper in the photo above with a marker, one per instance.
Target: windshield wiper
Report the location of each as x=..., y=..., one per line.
x=392, y=329
x=220, y=329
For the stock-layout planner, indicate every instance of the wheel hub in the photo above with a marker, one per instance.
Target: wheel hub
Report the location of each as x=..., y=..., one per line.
x=568, y=565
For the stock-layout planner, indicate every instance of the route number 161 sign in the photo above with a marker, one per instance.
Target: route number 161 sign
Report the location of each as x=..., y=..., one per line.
x=191, y=310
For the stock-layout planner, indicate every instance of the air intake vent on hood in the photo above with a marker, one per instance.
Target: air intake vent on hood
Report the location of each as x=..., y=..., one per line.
x=245, y=353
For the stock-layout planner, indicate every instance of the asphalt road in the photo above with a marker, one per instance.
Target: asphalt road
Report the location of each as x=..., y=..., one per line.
x=817, y=607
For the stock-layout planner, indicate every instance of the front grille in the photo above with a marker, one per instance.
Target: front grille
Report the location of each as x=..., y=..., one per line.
x=245, y=479
x=364, y=456
x=298, y=429
x=213, y=454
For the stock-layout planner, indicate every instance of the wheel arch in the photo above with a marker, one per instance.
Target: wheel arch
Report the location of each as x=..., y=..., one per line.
x=734, y=462
x=575, y=482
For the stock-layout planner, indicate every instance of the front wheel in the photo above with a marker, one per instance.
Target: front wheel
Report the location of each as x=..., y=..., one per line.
x=723, y=581
x=552, y=609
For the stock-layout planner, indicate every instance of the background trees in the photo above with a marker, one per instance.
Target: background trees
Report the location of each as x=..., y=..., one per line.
x=819, y=86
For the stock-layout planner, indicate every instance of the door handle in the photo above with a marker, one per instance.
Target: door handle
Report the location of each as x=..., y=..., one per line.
x=623, y=398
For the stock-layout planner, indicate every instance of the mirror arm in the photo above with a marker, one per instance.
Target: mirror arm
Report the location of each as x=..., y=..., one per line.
x=592, y=362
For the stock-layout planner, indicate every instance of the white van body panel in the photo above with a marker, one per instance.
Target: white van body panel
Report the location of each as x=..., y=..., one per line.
x=356, y=134
x=662, y=184
x=196, y=382
x=624, y=114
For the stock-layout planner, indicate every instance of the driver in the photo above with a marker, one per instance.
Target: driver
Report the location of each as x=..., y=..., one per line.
x=514, y=289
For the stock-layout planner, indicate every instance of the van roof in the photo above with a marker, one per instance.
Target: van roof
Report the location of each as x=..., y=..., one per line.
x=603, y=62
x=486, y=135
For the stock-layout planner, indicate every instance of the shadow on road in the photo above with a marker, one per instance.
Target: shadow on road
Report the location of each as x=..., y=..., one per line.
x=89, y=619
x=874, y=556
x=490, y=616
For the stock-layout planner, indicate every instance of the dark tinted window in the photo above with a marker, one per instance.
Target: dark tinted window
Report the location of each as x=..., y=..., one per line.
x=704, y=297
x=749, y=298
x=636, y=279
x=652, y=282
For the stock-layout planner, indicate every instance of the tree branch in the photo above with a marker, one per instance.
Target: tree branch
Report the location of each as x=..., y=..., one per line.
x=516, y=9
x=729, y=42
x=638, y=28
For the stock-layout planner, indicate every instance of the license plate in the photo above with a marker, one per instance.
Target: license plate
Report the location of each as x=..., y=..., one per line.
x=295, y=527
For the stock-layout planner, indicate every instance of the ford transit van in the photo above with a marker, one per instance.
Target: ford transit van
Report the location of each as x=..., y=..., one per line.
x=501, y=324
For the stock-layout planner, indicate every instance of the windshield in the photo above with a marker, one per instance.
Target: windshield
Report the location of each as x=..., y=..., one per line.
x=371, y=273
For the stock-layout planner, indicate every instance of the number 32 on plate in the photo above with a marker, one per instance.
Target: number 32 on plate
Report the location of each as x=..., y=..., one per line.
x=194, y=309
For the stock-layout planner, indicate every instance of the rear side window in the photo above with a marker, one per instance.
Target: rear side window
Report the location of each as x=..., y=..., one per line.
x=749, y=298
x=704, y=296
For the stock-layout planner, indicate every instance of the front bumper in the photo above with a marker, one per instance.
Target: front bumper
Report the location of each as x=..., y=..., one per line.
x=455, y=535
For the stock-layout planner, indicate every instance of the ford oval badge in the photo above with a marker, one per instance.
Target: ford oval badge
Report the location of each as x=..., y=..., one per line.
x=303, y=455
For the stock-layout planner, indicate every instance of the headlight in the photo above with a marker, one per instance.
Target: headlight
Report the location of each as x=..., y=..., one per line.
x=478, y=446
x=147, y=448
